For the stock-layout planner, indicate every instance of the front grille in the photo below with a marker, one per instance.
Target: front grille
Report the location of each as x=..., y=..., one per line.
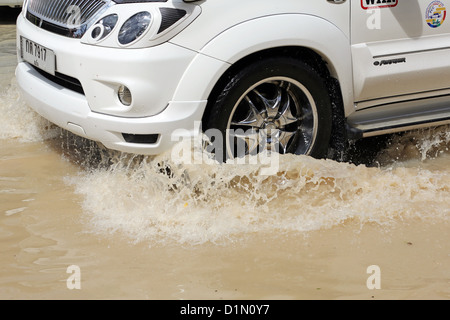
x=66, y=17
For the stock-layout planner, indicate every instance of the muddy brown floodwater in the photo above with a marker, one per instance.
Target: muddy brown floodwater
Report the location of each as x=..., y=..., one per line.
x=312, y=231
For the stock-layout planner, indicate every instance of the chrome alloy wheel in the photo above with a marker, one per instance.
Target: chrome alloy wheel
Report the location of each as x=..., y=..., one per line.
x=277, y=114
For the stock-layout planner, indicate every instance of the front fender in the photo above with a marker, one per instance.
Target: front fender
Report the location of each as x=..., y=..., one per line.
x=268, y=32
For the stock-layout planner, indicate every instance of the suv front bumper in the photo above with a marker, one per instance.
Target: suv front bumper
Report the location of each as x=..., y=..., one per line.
x=152, y=75
x=70, y=110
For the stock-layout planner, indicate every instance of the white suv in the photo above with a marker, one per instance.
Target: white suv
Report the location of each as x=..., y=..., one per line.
x=312, y=73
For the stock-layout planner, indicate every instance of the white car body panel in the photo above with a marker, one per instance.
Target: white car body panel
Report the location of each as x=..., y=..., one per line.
x=293, y=30
x=402, y=33
x=218, y=16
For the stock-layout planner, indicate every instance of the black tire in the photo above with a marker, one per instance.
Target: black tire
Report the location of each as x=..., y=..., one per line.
x=277, y=103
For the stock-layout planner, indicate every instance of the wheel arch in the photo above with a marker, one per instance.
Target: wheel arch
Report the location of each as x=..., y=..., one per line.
x=305, y=36
x=316, y=62
x=304, y=54
x=310, y=38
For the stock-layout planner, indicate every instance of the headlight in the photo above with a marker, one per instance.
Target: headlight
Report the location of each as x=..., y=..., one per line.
x=134, y=27
x=140, y=25
x=104, y=27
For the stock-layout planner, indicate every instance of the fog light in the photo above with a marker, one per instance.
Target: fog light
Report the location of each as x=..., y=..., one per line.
x=124, y=95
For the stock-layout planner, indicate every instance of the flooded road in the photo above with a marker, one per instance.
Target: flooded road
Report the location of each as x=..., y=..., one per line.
x=312, y=231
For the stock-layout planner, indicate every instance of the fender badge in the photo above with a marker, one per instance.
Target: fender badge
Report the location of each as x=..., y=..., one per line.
x=435, y=14
x=389, y=62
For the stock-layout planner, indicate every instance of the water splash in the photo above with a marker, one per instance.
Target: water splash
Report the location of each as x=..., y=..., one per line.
x=156, y=199
x=19, y=122
x=207, y=203
x=419, y=145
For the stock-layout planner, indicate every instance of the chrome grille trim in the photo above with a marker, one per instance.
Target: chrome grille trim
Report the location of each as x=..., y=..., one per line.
x=73, y=16
x=59, y=12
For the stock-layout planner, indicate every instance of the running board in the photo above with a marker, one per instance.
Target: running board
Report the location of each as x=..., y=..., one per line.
x=400, y=116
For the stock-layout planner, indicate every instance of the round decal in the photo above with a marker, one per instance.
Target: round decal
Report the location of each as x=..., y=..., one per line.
x=435, y=14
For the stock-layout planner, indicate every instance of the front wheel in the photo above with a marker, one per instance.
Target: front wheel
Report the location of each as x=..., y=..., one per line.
x=278, y=104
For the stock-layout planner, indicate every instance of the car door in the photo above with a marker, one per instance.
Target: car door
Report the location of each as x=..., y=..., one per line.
x=400, y=48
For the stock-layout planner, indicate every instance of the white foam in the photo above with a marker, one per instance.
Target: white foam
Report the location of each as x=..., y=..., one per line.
x=18, y=121
x=223, y=202
x=14, y=211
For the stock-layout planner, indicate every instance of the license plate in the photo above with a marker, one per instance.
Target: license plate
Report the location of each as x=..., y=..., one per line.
x=38, y=55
